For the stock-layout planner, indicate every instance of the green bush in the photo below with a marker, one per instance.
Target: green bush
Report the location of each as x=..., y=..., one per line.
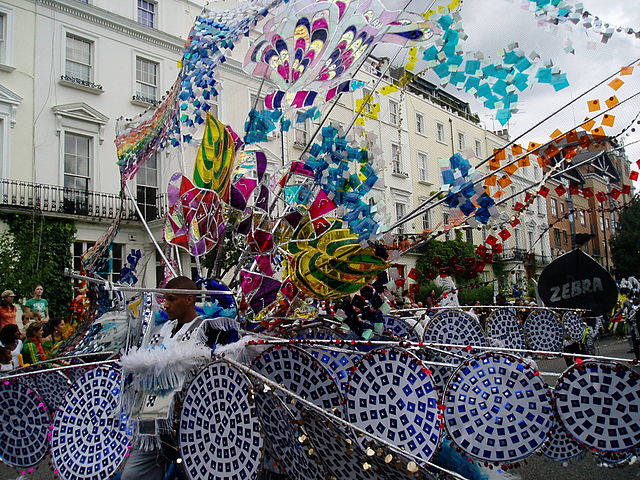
x=469, y=296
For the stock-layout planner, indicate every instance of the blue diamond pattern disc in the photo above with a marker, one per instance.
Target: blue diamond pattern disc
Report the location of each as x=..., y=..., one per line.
x=503, y=329
x=391, y=395
x=52, y=386
x=560, y=446
x=497, y=408
x=219, y=432
x=301, y=374
x=90, y=438
x=335, y=359
x=599, y=405
x=543, y=331
x=574, y=326
x=24, y=424
x=282, y=439
x=403, y=327
x=454, y=327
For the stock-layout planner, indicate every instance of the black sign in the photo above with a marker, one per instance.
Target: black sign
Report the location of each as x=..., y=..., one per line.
x=575, y=280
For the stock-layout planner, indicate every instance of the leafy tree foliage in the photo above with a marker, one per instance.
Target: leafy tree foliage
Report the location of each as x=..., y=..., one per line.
x=36, y=250
x=445, y=251
x=625, y=245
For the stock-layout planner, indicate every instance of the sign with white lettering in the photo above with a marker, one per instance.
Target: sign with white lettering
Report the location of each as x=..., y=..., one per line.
x=575, y=280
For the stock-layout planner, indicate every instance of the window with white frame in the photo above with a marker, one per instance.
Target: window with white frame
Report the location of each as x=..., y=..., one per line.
x=531, y=242
x=516, y=236
x=6, y=37
x=478, y=148
x=422, y=167
x=214, y=104
x=540, y=205
x=583, y=218
x=301, y=133
x=147, y=13
x=77, y=160
x=147, y=188
x=562, y=207
x=78, y=59
x=461, y=142
x=146, y=80
x=3, y=36
x=420, y=123
x=468, y=233
x=110, y=265
x=396, y=158
x=394, y=112
x=400, y=212
x=440, y=136
x=367, y=95
x=554, y=207
x=426, y=221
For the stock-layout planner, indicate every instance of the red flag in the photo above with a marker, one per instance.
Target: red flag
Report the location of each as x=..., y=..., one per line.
x=400, y=282
x=615, y=193
x=514, y=222
x=587, y=192
x=626, y=189
x=518, y=207
x=544, y=191
x=504, y=234
x=638, y=163
x=634, y=175
x=527, y=196
x=560, y=190
x=601, y=196
x=574, y=189
x=414, y=274
x=491, y=240
x=481, y=250
x=414, y=288
x=497, y=248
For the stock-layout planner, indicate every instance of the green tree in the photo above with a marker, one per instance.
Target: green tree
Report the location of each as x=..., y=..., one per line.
x=625, y=244
x=445, y=251
x=36, y=250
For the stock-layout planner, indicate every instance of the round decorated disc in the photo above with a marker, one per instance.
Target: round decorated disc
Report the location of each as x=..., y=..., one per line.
x=454, y=327
x=219, y=432
x=560, y=446
x=90, y=438
x=391, y=395
x=335, y=359
x=24, y=424
x=301, y=374
x=543, y=331
x=574, y=326
x=405, y=328
x=52, y=386
x=599, y=405
x=498, y=409
x=503, y=329
x=282, y=439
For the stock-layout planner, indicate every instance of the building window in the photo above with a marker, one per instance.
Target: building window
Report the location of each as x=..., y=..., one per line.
x=513, y=195
x=419, y=123
x=461, y=142
x=3, y=37
x=608, y=224
x=79, y=59
x=394, y=112
x=562, y=207
x=147, y=188
x=440, y=132
x=565, y=237
x=77, y=158
x=426, y=224
x=367, y=96
x=531, y=242
x=478, y=148
x=422, y=167
x=556, y=237
x=554, y=207
x=583, y=218
x=601, y=224
x=146, y=80
x=400, y=212
x=147, y=13
x=396, y=159
x=469, y=234
x=540, y=205
x=445, y=222
x=301, y=133
x=516, y=237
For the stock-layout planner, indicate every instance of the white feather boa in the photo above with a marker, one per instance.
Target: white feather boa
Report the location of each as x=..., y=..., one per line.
x=163, y=367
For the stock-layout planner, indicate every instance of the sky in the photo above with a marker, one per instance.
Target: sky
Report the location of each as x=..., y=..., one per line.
x=494, y=24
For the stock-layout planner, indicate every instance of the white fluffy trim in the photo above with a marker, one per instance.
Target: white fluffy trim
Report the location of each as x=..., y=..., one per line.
x=164, y=367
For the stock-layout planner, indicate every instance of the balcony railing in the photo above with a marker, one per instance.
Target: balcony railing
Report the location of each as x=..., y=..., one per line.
x=69, y=201
x=520, y=255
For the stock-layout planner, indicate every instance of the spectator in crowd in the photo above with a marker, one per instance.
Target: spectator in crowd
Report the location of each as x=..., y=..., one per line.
x=11, y=338
x=33, y=350
x=432, y=299
x=40, y=306
x=5, y=360
x=8, y=310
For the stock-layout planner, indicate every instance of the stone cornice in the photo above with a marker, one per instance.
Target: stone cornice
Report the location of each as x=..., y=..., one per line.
x=117, y=23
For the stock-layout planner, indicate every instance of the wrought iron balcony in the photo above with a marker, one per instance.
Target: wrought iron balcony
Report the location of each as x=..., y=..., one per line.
x=54, y=199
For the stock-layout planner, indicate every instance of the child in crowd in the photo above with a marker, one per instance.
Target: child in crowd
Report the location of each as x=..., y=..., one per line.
x=11, y=338
x=5, y=360
x=33, y=350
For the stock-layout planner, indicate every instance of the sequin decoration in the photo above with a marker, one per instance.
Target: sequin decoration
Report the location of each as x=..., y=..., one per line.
x=454, y=327
x=503, y=329
x=498, y=409
x=52, y=387
x=24, y=423
x=219, y=432
x=405, y=328
x=599, y=405
x=337, y=361
x=543, y=331
x=560, y=446
x=391, y=395
x=282, y=439
x=574, y=326
x=90, y=439
x=301, y=374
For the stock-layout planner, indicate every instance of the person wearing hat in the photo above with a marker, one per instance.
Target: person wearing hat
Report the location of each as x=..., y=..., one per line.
x=7, y=309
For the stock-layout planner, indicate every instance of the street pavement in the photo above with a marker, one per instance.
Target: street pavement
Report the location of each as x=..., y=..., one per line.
x=537, y=467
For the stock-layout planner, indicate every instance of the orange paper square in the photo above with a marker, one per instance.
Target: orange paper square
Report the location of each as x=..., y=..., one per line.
x=572, y=136
x=543, y=162
x=504, y=181
x=598, y=132
x=494, y=164
x=490, y=181
x=626, y=71
x=588, y=125
x=616, y=83
x=524, y=161
x=608, y=120
x=498, y=194
x=516, y=149
x=533, y=147
x=511, y=169
x=500, y=154
x=612, y=101
x=556, y=133
x=594, y=105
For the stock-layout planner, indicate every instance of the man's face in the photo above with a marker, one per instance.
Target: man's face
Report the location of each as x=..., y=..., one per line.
x=175, y=305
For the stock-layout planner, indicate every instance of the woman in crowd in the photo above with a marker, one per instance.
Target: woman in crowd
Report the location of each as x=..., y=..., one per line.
x=11, y=338
x=39, y=306
x=8, y=310
x=33, y=350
